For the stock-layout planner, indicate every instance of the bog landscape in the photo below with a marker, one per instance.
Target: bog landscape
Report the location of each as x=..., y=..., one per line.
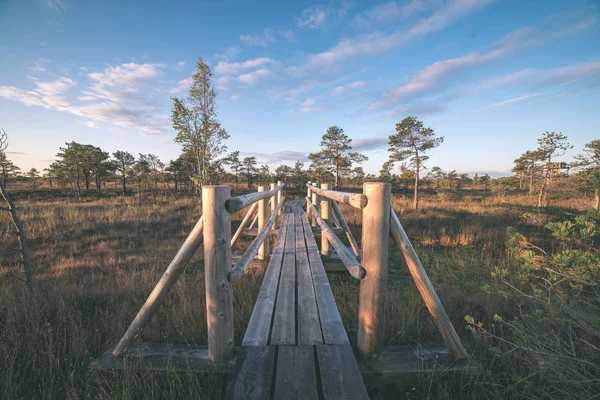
x=338, y=231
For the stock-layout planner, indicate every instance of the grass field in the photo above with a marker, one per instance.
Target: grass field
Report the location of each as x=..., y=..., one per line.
x=96, y=260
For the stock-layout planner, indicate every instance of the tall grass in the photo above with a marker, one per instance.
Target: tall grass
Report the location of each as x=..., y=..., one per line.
x=96, y=260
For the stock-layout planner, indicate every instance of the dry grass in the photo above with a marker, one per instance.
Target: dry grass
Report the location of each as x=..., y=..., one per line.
x=96, y=260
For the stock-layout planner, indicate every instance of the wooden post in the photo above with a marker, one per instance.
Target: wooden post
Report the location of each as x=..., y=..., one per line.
x=315, y=202
x=263, y=217
x=308, y=194
x=325, y=211
x=279, y=197
x=373, y=288
x=217, y=264
x=273, y=203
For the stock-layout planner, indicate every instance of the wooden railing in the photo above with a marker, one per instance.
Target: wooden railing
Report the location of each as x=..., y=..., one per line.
x=379, y=221
x=214, y=231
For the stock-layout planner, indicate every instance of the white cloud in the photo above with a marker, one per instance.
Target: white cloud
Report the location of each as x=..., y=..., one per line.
x=56, y=5
x=439, y=75
x=313, y=17
x=507, y=102
x=309, y=105
x=277, y=157
x=89, y=124
x=182, y=86
x=225, y=68
x=347, y=87
x=288, y=35
x=228, y=53
x=373, y=143
x=253, y=77
x=259, y=39
x=391, y=12
x=377, y=42
x=48, y=94
x=39, y=65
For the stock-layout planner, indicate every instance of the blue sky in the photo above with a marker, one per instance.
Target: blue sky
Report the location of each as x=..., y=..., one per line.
x=490, y=76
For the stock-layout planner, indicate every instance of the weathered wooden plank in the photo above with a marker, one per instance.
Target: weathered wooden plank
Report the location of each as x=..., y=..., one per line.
x=296, y=376
x=284, y=323
x=331, y=322
x=237, y=203
x=401, y=360
x=340, y=376
x=309, y=326
x=253, y=379
x=161, y=357
x=257, y=333
x=356, y=200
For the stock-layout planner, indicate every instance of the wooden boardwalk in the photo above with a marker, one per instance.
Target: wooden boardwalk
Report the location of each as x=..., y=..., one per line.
x=296, y=345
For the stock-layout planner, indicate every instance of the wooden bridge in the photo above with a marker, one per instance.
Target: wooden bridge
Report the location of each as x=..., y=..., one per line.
x=295, y=345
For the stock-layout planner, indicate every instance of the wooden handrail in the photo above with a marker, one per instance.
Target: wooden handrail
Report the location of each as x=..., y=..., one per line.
x=356, y=200
x=237, y=203
x=350, y=262
x=426, y=289
x=240, y=268
x=243, y=224
x=346, y=228
x=162, y=288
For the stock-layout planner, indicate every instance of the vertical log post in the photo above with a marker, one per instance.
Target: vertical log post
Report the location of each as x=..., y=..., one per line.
x=309, y=195
x=279, y=197
x=263, y=217
x=325, y=211
x=273, y=204
x=217, y=264
x=373, y=288
x=315, y=202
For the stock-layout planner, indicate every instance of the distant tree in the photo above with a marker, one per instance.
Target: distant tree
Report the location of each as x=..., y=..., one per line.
x=7, y=169
x=236, y=166
x=551, y=144
x=195, y=121
x=385, y=173
x=250, y=169
x=335, y=154
x=33, y=176
x=485, y=179
x=409, y=143
x=12, y=209
x=124, y=161
x=264, y=174
x=590, y=161
x=283, y=172
x=299, y=173
x=358, y=175
x=140, y=173
x=527, y=163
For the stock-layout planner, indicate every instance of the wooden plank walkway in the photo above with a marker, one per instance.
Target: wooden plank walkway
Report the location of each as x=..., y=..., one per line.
x=297, y=347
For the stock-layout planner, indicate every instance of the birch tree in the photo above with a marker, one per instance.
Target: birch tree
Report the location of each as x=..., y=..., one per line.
x=195, y=120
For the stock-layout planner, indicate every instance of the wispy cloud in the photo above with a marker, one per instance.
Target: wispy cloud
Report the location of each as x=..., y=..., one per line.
x=372, y=143
x=58, y=5
x=225, y=68
x=439, y=75
x=116, y=96
x=89, y=124
x=254, y=76
x=39, y=65
x=391, y=12
x=347, y=87
x=278, y=157
x=309, y=105
x=15, y=153
x=378, y=42
x=319, y=16
x=182, y=86
x=263, y=39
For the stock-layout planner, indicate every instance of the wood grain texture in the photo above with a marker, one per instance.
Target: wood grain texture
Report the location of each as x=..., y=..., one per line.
x=217, y=265
x=296, y=376
x=257, y=333
x=309, y=325
x=331, y=322
x=284, y=323
x=244, y=223
x=339, y=372
x=263, y=217
x=350, y=262
x=375, y=253
x=237, y=203
x=426, y=289
x=325, y=211
x=356, y=200
x=344, y=225
x=253, y=380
